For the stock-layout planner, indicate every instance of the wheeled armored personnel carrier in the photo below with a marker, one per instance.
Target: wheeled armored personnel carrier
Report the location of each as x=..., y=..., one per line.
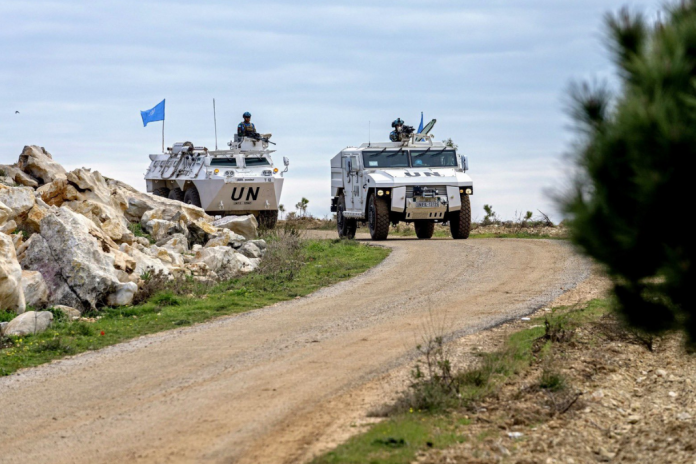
x=415, y=180
x=240, y=180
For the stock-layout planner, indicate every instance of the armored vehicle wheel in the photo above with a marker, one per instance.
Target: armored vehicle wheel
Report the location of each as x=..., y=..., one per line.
x=424, y=229
x=378, y=217
x=191, y=197
x=161, y=192
x=346, y=226
x=460, y=221
x=176, y=194
x=268, y=219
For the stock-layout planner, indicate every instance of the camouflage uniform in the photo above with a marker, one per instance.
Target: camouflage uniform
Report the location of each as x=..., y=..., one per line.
x=246, y=129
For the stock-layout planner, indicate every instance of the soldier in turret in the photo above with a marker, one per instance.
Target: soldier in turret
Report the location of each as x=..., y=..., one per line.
x=246, y=128
x=398, y=125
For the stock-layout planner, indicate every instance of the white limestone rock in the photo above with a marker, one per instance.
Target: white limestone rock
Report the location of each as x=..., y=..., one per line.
x=242, y=225
x=11, y=294
x=39, y=164
x=250, y=250
x=178, y=243
x=19, y=200
x=35, y=289
x=29, y=323
x=123, y=295
x=222, y=260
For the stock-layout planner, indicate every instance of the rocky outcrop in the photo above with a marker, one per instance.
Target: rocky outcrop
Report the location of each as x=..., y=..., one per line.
x=251, y=250
x=71, y=314
x=39, y=164
x=18, y=176
x=77, y=247
x=222, y=260
x=19, y=200
x=139, y=203
x=29, y=323
x=78, y=262
x=11, y=294
x=225, y=237
x=35, y=289
x=242, y=225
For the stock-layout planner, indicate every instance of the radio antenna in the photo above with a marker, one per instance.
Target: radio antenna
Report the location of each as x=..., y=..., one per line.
x=369, y=133
x=215, y=122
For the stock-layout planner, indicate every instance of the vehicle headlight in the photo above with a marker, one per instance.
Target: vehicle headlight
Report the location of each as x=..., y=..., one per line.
x=380, y=193
x=468, y=191
x=229, y=173
x=267, y=172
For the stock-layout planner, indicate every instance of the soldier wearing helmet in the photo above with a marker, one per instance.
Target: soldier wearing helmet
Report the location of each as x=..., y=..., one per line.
x=398, y=125
x=246, y=128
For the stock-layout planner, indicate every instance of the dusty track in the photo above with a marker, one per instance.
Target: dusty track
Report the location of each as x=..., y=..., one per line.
x=251, y=388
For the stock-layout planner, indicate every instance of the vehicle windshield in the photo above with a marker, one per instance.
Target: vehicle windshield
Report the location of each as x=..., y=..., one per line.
x=228, y=162
x=433, y=158
x=256, y=162
x=385, y=159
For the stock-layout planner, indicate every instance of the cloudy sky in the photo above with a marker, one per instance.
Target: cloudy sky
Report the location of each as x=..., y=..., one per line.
x=314, y=73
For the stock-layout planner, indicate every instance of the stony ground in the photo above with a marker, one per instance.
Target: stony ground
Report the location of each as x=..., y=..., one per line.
x=621, y=403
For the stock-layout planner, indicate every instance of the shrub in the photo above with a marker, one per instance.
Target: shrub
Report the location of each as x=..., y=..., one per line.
x=633, y=163
x=284, y=254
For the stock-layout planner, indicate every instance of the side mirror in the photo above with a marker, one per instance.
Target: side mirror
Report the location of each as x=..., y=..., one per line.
x=465, y=163
x=286, y=161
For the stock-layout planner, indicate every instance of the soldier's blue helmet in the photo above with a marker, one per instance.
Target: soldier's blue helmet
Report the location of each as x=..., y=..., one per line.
x=398, y=122
x=246, y=115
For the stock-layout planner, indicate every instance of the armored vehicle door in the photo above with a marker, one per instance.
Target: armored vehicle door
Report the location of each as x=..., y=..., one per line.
x=351, y=183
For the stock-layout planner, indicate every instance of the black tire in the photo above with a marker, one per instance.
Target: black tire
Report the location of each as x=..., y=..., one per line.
x=424, y=229
x=460, y=221
x=176, y=194
x=191, y=197
x=161, y=192
x=378, y=217
x=346, y=226
x=268, y=219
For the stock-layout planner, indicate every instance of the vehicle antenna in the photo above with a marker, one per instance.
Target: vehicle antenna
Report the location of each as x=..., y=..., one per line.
x=215, y=122
x=369, y=133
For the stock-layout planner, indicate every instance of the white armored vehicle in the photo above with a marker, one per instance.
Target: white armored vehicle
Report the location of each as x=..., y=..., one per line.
x=415, y=180
x=241, y=180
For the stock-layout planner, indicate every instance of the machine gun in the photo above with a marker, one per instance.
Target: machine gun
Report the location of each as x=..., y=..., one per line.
x=257, y=136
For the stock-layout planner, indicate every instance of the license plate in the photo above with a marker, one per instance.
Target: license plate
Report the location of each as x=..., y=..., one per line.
x=427, y=204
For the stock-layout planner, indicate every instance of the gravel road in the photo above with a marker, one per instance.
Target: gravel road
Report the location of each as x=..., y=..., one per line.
x=236, y=389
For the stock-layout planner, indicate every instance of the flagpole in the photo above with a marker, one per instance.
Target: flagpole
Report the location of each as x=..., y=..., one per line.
x=162, y=135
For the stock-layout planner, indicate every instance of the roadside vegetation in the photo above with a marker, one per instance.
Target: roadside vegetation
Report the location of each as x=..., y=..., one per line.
x=441, y=404
x=292, y=267
x=527, y=225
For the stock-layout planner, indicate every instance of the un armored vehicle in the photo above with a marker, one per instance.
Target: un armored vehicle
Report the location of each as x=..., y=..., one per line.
x=414, y=180
x=240, y=180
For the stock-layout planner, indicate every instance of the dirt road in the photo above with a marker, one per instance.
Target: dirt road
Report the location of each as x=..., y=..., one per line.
x=250, y=388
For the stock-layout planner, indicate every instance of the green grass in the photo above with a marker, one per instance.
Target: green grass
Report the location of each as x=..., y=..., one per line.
x=325, y=262
x=137, y=230
x=399, y=438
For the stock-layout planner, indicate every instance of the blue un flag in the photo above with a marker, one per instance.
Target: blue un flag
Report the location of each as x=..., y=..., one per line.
x=153, y=114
